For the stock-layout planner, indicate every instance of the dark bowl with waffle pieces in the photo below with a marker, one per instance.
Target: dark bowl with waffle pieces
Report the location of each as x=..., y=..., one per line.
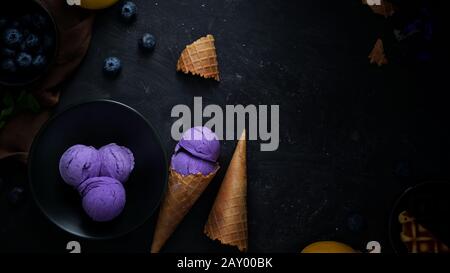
x=419, y=221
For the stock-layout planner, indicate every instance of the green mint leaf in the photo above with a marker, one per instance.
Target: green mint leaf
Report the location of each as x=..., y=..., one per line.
x=28, y=102
x=21, y=95
x=6, y=112
x=8, y=99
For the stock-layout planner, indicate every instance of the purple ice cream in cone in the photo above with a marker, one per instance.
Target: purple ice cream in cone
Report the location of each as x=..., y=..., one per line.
x=117, y=162
x=200, y=142
x=185, y=164
x=79, y=163
x=193, y=166
x=103, y=198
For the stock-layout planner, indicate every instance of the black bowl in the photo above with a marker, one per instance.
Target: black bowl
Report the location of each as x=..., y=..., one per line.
x=97, y=123
x=426, y=198
x=15, y=11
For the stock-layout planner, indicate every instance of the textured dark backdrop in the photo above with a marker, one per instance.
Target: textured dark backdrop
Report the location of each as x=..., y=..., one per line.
x=353, y=136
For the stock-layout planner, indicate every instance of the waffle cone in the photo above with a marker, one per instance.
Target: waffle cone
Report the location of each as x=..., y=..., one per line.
x=377, y=54
x=181, y=195
x=418, y=239
x=227, y=221
x=200, y=58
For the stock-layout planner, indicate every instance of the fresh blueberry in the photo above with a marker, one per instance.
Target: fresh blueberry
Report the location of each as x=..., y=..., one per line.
x=8, y=52
x=12, y=37
x=128, y=11
x=39, y=61
x=25, y=32
x=356, y=222
x=112, y=66
x=16, y=195
x=147, y=42
x=15, y=24
x=24, y=60
x=32, y=41
x=39, y=51
x=8, y=65
x=39, y=22
x=23, y=46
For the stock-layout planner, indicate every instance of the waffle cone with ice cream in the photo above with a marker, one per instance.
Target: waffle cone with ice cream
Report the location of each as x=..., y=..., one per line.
x=200, y=58
x=193, y=166
x=227, y=221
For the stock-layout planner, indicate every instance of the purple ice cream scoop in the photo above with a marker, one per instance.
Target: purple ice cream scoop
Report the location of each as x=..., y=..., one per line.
x=103, y=198
x=185, y=164
x=196, y=152
x=79, y=163
x=201, y=142
x=117, y=162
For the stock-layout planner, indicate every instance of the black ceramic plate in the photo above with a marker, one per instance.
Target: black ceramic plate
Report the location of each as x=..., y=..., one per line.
x=13, y=11
x=422, y=200
x=97, y=123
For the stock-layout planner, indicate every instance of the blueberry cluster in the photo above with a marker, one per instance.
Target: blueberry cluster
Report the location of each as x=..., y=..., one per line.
x=128, y=13
x=25, y=44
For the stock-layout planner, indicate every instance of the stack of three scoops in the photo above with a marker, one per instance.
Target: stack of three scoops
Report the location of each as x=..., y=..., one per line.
x=98, y=176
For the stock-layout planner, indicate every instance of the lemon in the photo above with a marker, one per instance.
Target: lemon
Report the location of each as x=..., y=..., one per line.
x=328, y=247
x=97, y=4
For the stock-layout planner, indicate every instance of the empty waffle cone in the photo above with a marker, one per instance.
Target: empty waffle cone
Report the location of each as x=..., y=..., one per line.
x=227, y=221
x=377, y=54
x=200, y=58
x=181, y=195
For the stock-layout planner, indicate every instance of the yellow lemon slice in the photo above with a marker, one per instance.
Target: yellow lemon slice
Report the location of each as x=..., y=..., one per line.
x=328, y=247
x=97, y=4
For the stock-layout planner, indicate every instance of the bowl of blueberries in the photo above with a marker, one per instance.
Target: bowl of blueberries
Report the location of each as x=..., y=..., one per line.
x=28, y=42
